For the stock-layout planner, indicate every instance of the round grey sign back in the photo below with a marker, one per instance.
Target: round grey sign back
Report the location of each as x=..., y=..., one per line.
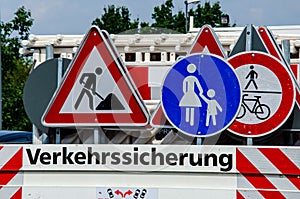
x=40, y=87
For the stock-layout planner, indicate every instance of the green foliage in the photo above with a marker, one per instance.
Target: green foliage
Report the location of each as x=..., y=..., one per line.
x=164, y=17
x=207, y=14
x=15, y=70
x=14, y=116
x=115, y=20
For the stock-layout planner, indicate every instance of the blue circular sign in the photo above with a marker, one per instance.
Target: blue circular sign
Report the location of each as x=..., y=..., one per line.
x=201, y=95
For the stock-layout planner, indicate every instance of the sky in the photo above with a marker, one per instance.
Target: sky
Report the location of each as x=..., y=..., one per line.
x=76, y=16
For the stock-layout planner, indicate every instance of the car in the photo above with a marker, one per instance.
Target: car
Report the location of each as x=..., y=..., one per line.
x=136, y=194
x=15, y=137
x=143, y=194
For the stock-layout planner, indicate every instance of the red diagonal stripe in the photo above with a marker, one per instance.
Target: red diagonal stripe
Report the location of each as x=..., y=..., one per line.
x=239, y=195
x=280, y=161
x=18, y=194
x=1, y=147
x=11, y=168
x=283, y=164
x=243, y=165
x=15, y=163
x=258, y=180
x=271, y=194
x=294, y=179
x=7, y=176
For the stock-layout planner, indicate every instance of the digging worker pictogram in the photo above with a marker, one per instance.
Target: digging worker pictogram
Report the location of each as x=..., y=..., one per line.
x=88, y=80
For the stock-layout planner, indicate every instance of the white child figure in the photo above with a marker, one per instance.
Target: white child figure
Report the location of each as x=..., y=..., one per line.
x=212, y=106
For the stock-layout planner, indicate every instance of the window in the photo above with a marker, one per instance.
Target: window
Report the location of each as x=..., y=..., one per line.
x=155, y=56
x=130, y=57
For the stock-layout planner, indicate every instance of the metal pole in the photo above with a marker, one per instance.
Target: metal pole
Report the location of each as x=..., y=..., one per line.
x=286, y=50
x=249, y=38
x=249, y=48
x=49, y=55
x=186, y=16
x=287, y=55
x=59, y=79
x=49, y=52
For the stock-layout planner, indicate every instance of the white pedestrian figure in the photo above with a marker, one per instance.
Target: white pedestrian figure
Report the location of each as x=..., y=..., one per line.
x=212, y=107
x=190, y=99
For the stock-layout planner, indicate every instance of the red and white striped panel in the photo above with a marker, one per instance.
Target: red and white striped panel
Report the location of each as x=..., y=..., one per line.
x=268, y=172
x=11, y=178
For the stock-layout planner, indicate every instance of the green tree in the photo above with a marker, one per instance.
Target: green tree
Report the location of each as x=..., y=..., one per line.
x=207, y=14
x=116, y=20
x=179, y=22
x=164, y=17
x=15, y=70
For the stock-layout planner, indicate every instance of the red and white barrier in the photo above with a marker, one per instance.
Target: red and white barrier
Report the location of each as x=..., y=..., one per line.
x=11, y=178
x=268, y=172
x=168, y=171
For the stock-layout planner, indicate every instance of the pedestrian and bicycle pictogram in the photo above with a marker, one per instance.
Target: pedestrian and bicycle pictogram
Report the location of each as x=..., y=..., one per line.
x=268, y=93
x=206, y=96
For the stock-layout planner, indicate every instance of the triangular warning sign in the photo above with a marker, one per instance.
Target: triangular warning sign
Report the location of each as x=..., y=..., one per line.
x=248, y=40
x=97, y=89
x=273, y=48
x=207, y=41
x=159, y=119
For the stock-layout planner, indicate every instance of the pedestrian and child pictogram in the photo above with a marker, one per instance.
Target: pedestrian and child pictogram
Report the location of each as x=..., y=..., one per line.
x=207, y=42
x=191, y=100
x=206, y=98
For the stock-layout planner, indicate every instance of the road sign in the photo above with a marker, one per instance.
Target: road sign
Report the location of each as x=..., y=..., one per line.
x=268, y=94
x=201, y=95
x=97, y=90
x=40, y=87
x=207, y=41
x=159, y=119
x=274, y=50
x=249, y=40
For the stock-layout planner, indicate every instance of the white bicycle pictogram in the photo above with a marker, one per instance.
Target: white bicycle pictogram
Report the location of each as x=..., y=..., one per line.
x=262, y=111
